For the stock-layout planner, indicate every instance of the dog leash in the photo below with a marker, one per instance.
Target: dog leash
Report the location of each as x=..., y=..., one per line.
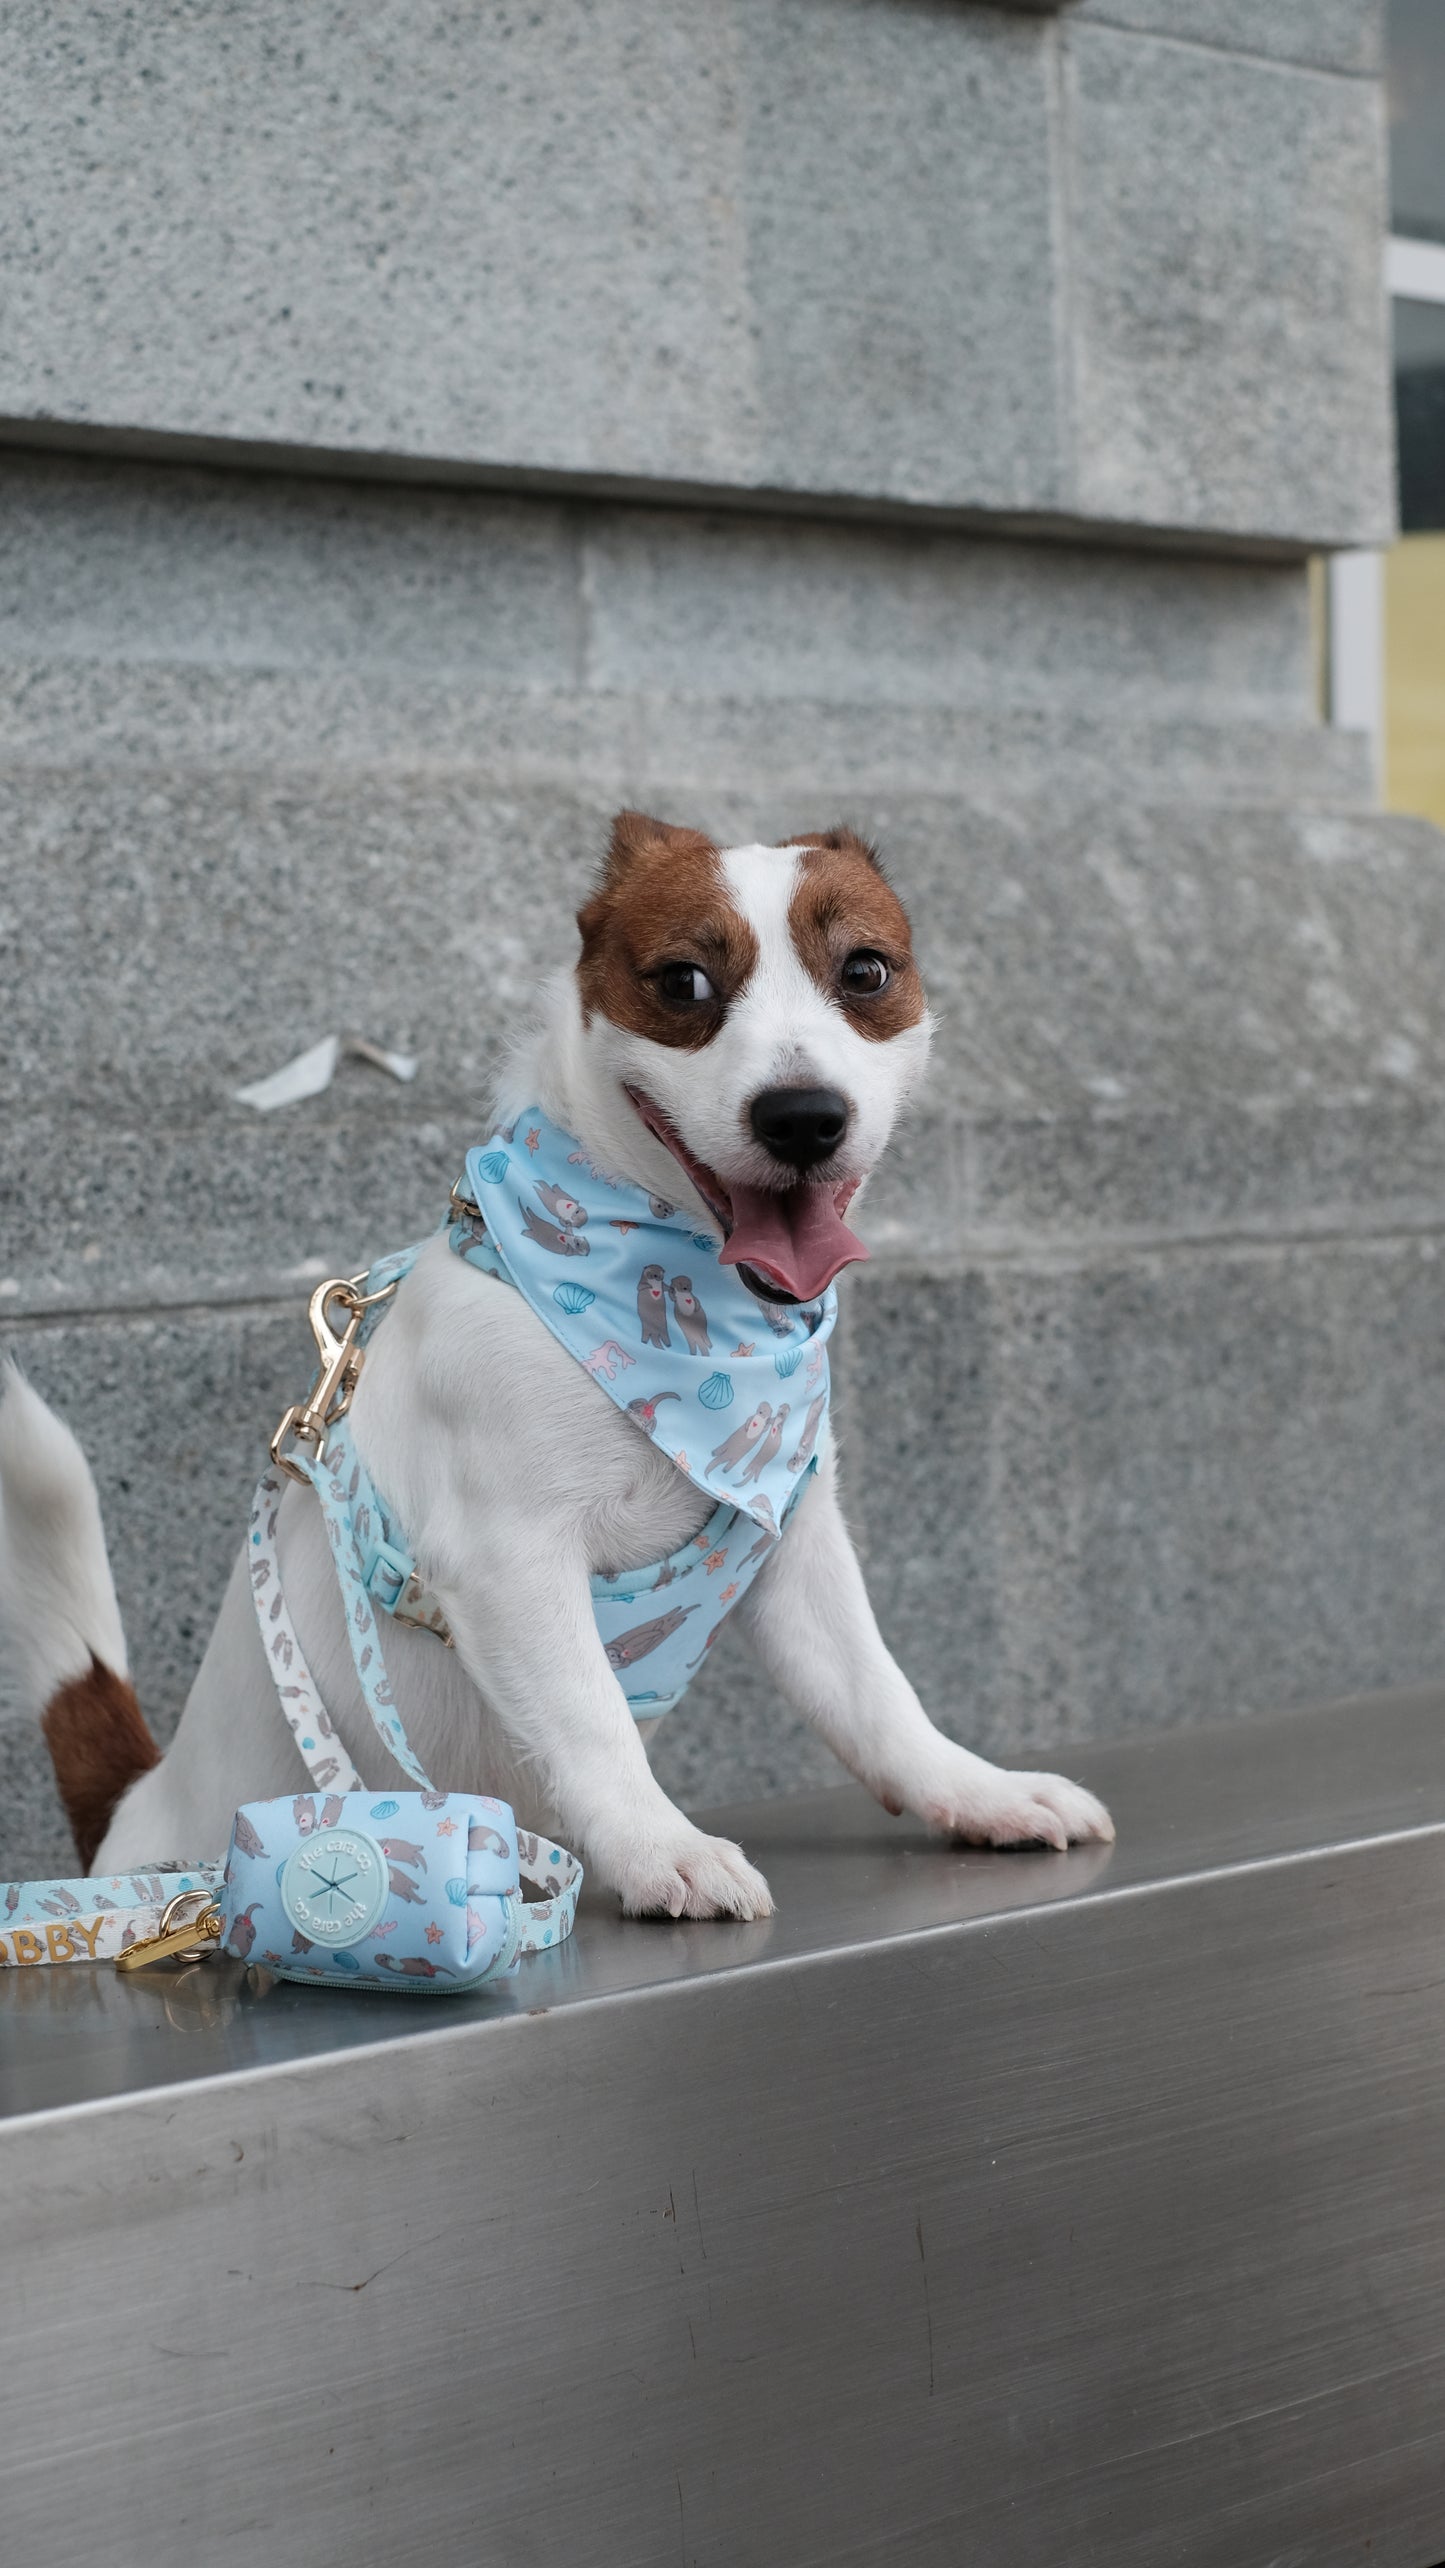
x=95, y=1917
x=133, y=1918
x=313, y=1444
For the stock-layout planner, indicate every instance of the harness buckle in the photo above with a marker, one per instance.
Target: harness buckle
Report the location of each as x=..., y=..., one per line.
x=339, y=1370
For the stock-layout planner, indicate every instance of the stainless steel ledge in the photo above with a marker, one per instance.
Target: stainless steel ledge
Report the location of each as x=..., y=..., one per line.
x=979, y=2210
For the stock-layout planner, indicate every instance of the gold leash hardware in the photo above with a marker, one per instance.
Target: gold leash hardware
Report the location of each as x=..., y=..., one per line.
x=462, y=1205
x=192, y=1935
x=338, y=1372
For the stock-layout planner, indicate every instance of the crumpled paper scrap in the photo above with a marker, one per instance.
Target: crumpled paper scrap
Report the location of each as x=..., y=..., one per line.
x=315, y=1069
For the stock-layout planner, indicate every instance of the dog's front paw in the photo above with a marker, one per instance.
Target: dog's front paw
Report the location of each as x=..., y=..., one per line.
x=685, y=1874
x=997, y=1808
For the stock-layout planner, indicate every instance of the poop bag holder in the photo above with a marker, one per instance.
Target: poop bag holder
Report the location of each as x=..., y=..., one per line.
x=406, y=1890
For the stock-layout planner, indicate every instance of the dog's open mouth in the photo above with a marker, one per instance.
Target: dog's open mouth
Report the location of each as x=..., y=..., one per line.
x=787, y=1244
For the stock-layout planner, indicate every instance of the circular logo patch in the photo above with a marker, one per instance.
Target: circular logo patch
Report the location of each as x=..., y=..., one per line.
x=334, y=1886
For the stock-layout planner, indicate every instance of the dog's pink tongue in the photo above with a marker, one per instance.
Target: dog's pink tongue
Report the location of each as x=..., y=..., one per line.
x=799, y=1240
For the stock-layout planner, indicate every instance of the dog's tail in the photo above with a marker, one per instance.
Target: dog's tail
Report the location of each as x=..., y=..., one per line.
x=58, y=1606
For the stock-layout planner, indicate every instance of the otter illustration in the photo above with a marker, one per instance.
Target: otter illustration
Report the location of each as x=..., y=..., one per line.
x=652, y=1307
x=562, y=1242
x=767, y=1451
x=303, y=1811
x=400, y=1850
x=433, y=1800
x=733, y=1447
x=301, y=1943
x=780, y=1321
x=402, y=1888
x=645, y=1411
x=482, y=1840
x=413, y=1966
x=563, y=1207
x=243, y=1931
x=245, y=1836
x=468, y=1233
x=691, y=1317
x=660, y=1210
x=633, y=1645
x=764, y=1543
x=800, y=1460
x=330, y=1810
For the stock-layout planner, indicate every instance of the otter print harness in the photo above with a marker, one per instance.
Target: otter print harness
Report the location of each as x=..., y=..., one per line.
x=733, y=1388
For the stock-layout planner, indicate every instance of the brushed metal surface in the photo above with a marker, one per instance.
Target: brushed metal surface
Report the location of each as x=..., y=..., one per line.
x=981, y=2210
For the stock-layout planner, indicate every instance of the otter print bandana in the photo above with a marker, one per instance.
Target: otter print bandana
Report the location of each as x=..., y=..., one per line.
x=733, y=1388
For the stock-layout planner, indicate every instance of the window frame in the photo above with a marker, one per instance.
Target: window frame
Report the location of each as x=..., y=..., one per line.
x=1355, y=581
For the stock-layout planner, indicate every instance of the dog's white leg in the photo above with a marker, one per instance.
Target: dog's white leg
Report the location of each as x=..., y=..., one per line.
x=231, y=1746
x=533, y=1644
x=808, y=1617
x=513, y=1485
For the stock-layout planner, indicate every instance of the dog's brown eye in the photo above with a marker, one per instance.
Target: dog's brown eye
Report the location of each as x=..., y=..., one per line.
x=864, y=975
x=684, y=985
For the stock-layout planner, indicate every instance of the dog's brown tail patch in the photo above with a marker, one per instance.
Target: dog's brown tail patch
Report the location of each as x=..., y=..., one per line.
x=99, y=1743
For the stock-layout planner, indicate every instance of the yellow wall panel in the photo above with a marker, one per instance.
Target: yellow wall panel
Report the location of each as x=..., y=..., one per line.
x=1415, y=676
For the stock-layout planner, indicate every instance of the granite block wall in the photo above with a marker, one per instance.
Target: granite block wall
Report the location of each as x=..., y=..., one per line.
x=1115, y=266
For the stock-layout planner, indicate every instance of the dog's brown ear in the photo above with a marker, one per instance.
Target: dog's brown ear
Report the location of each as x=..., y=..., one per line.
x=636, y=833
x=635, y=836
x=632, y=831
x=842, y=841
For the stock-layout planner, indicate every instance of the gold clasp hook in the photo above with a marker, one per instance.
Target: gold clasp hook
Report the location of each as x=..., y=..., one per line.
x=192, y=1935
x=339, y=1371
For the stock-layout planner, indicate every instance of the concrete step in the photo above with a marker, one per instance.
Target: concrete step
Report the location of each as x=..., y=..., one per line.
x=1074, y=2208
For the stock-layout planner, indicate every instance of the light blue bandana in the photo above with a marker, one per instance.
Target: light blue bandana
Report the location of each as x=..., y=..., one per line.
x=732, y=1388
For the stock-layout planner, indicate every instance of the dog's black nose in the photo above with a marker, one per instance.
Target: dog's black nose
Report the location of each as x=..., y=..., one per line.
x=800, y=1126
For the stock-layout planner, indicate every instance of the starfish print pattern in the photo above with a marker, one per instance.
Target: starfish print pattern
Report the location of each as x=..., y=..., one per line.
x=433, y=1933
x=534, y=1140
x=446, y=1827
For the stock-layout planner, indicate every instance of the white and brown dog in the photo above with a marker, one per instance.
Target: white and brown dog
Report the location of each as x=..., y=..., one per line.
x=745, y=1022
